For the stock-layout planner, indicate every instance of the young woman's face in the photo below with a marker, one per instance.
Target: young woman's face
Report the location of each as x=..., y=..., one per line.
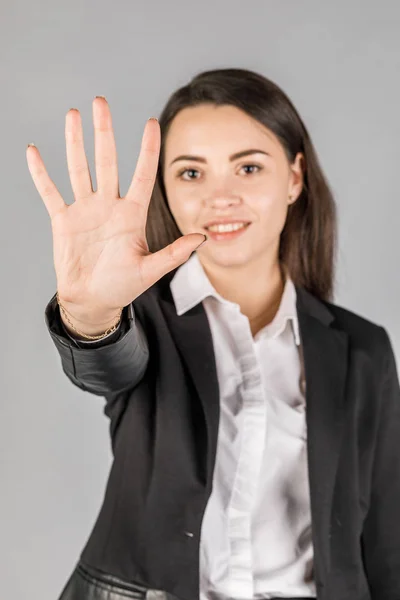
x=211, y=184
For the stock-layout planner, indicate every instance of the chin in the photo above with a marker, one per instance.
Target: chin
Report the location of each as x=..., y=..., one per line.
x=226, y=257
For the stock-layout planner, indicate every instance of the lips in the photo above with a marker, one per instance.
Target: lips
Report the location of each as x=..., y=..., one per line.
x=227, y=235
x=224, y=221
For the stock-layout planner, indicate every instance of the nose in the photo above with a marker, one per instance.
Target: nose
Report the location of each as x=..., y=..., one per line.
x=223, y=200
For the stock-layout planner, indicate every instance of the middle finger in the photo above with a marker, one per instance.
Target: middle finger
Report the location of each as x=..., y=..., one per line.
x=78, y=167
x=105, y=149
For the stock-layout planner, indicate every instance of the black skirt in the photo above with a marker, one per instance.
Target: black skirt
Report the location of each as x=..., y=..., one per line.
x=87, y=583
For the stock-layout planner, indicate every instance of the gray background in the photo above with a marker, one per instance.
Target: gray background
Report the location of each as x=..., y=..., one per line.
x=339, y=63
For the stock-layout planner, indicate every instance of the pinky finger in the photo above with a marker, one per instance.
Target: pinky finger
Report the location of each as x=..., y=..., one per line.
x=45, y=186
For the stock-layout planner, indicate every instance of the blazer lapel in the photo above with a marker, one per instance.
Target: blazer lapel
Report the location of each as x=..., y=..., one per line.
x=325, y=353
x=192, y=336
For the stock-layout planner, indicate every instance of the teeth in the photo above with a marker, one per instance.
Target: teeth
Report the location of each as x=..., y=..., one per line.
x=227, y=227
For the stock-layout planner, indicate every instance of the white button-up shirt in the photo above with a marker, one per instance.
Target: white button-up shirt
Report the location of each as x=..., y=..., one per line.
x=256, y=532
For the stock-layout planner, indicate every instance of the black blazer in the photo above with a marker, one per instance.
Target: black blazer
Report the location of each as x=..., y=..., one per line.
x=159, y=381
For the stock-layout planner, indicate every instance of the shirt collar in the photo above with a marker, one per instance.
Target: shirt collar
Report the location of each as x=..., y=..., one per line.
x=190, y=286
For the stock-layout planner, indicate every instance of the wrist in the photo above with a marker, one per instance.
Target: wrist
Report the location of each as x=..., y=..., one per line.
x=85, y=322
x=83, y=330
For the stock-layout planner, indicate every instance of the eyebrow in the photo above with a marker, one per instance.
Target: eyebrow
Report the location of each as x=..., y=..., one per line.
x=231, y=158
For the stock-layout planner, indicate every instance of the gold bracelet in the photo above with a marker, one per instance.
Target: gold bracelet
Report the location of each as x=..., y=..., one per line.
x=89, y=337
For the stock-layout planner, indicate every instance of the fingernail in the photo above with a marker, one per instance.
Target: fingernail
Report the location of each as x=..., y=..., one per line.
x=101, y=97
x=205, y=239
x=153, y=119
x=31, y=144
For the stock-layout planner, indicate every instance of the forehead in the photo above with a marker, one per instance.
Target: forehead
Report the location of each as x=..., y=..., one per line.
x=208, y=127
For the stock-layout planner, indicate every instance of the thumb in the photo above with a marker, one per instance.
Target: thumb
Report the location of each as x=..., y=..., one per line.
x=162, y=262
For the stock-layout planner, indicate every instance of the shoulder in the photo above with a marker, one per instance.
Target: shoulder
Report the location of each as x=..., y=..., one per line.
x=364, y=333
x=353, y=322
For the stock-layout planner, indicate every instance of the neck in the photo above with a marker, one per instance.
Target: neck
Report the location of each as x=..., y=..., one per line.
x=257, y=288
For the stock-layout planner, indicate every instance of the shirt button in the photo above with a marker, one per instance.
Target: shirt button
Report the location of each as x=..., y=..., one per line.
x=189, y=534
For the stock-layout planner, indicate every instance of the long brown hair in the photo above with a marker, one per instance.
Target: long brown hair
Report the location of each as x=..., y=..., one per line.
x=308, y=240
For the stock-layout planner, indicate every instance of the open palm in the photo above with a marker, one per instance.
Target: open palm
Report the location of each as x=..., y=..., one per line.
x=101, y=256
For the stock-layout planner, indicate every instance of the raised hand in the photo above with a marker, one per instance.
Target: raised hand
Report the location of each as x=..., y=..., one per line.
x=101, y=256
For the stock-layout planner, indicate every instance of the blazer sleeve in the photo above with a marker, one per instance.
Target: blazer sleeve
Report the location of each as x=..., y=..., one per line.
x=103, y=367
x=381, y=530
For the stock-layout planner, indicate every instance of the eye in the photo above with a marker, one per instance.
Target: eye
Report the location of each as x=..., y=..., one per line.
x=258, y=167
x=187, y=171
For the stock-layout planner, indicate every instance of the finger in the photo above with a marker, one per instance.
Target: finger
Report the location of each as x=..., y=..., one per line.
x=45, y=186
x=78, y=166
x=146, y=167
x=105, y=149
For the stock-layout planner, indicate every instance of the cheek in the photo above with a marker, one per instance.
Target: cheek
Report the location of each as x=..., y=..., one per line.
x=268, y=194
x=271, y=213
x=184, y=209
x=271, y=206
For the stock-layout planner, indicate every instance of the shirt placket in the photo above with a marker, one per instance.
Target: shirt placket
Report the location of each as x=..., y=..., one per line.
x=248, y=469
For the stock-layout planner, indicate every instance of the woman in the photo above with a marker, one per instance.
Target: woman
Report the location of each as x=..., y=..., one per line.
x=254, y=423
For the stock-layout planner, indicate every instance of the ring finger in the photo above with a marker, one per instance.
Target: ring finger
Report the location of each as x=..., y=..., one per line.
x=78, y=166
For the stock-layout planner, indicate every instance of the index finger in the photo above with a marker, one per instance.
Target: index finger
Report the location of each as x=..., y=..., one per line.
x=147, y=164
